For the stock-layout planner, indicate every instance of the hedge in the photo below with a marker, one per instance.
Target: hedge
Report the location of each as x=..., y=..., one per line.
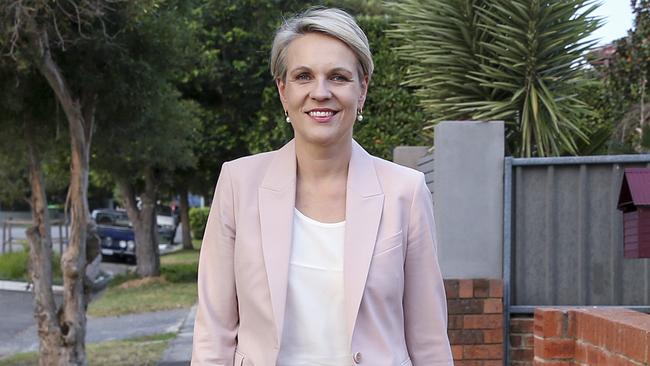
x=198, y=220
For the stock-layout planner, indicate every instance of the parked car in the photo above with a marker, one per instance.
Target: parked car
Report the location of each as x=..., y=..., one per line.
x=116, y=233
x=116, y=230
x=167, y=224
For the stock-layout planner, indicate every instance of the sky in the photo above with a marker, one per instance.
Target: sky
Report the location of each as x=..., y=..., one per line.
x=618, y=19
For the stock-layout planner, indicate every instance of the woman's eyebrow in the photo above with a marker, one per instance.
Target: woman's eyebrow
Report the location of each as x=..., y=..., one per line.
x=299, y=68
x=340, y=69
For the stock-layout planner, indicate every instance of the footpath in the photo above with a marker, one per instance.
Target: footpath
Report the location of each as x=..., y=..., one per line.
x=19, y=333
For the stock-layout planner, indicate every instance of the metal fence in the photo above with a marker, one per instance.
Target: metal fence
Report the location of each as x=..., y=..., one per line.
x=563, y=236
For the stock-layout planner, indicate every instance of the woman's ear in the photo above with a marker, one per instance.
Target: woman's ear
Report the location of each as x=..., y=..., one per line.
x=281, y=89
x=364, y=91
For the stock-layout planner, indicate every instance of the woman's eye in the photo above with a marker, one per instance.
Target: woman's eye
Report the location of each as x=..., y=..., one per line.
x=339, y=78
x=303, y=76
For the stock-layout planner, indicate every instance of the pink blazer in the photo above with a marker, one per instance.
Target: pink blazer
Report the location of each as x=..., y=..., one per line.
x=396, y=312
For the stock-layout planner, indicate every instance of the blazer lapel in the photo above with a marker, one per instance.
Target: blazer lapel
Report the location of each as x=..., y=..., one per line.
x=363, y=209
x=276, y=198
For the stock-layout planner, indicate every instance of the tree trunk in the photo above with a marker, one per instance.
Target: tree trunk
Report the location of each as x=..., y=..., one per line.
x=184, y=206
x=40, y=256
x=72, y=315
x=145, y=226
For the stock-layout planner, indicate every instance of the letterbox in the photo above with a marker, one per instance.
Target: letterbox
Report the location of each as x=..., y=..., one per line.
x=634, y=201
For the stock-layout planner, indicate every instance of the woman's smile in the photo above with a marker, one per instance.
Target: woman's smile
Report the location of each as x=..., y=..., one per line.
x=322, y=115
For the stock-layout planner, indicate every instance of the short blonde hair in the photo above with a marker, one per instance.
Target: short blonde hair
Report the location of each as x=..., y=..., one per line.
x=328, y=21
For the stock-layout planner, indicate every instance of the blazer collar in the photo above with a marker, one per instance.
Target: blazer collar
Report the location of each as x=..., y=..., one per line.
x=362, y=177
x=364, y=203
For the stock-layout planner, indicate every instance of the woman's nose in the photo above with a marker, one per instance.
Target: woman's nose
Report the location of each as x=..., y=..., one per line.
x=321, y=90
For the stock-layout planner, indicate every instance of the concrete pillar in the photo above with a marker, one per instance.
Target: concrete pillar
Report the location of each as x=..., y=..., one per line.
x=468, y=198
x=409, y=155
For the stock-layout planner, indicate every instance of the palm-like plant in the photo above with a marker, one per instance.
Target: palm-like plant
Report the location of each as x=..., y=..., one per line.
x=515, y=60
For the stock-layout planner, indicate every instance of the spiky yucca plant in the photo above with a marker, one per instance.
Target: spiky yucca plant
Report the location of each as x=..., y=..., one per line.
x=515, y=60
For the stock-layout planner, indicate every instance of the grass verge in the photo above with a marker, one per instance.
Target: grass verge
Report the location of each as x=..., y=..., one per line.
x=136, y=351
x=175, y=288
x=13, y=267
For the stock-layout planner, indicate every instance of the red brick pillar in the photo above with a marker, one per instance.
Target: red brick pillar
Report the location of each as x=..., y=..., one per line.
x=521, y=340
x=475, y=308
x=554, y=341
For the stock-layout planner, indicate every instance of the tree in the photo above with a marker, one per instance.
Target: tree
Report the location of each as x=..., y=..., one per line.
x=516, y=60
x=165, y=133
x=626, y=74
x=227, y=81
x=140, y=100
x=34, y=34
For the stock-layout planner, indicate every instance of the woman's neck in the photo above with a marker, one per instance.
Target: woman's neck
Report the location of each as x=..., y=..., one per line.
x=317, y=163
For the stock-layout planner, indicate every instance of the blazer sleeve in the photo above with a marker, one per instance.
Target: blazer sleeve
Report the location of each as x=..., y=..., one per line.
x=217, y=317
x=425, y=304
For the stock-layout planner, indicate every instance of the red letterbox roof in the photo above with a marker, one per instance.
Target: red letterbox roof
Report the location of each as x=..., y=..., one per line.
x=635, y=189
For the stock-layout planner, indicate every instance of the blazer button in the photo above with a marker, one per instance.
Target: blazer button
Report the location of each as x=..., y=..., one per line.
x=357, y=357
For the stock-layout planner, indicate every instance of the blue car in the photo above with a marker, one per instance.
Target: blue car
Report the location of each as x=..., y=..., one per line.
x=116, y=233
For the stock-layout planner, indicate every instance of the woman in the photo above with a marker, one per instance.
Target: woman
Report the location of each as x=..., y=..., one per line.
x=319, y=254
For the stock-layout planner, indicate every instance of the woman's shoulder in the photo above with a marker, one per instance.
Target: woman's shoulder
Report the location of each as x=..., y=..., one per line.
x=388, y=169
x=246, y=163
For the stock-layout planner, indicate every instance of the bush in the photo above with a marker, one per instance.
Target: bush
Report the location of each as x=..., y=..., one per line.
x=14, y=267
x=198, y=220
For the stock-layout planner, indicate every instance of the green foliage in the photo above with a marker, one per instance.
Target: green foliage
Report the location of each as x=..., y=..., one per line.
x=144, y=121
x=597, y=124
x=180, y=272
x=198, y=220
x=514, y=60
x=392, y=116
x=626, y=76
x=15, y=267
x=228, y=78
x=27, y=103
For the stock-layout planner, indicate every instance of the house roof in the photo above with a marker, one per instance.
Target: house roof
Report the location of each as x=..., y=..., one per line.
x=635, y=189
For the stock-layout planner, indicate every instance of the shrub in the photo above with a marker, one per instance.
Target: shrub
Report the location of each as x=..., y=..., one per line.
x=14, y=267
x=198, y=220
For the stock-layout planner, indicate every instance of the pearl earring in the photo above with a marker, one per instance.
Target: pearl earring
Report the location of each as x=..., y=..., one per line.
x=286, y=115
x=359, y=115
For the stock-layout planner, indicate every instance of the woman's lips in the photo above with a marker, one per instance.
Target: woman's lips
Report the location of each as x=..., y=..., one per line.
x=322, y=116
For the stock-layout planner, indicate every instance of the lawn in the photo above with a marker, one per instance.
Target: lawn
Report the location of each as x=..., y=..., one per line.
x=175, y=288
x=136, y=351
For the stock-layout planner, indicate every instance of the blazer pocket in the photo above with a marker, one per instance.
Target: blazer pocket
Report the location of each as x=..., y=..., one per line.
x=388, y=244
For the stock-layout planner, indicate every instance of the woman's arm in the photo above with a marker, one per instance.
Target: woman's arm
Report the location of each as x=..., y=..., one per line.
x=217, y=318
x=425, y=305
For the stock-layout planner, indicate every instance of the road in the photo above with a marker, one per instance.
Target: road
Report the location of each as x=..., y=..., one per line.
x=18, y=235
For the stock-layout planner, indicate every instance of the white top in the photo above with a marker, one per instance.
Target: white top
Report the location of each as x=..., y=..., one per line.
x=314, y=323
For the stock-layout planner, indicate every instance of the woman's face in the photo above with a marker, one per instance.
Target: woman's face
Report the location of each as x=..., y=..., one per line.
x=322, y=90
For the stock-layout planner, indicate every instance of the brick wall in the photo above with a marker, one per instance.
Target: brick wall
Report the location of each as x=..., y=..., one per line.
x=591, y=336
x=521, y=340
x=475, y=308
